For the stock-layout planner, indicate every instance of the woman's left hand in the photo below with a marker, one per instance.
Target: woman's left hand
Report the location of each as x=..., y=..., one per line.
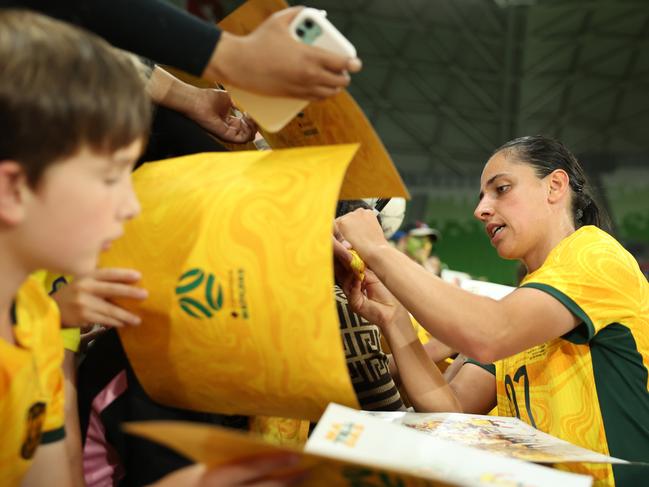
x=362, y=230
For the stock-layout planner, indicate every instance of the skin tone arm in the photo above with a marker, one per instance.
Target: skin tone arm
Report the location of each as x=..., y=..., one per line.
x=479, y=327
x=269, y=61
x=209, y=108
x=87, y=300
x=472, y=390
x=72, y=438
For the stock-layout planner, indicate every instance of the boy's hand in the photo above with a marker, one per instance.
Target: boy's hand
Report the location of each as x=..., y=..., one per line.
x=87, y=300
x=270, y=61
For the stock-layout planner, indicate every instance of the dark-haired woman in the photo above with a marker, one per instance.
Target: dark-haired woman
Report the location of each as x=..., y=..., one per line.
x=568, y=351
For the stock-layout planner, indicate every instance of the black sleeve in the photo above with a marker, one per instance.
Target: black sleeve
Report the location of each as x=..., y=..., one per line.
x=153, y=29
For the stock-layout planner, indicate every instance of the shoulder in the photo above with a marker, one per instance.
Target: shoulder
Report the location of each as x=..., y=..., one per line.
x=37, y=314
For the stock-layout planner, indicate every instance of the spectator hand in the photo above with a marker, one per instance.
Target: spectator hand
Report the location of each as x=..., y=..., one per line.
x=259, y=471
x=270, y=61
x=212, y=110
x=87, y=299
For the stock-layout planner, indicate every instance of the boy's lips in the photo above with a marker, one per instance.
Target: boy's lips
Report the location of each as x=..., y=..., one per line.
x=109, y=242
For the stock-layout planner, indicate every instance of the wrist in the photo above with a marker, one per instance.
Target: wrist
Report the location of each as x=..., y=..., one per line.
x=375, y=254
x=223, y=58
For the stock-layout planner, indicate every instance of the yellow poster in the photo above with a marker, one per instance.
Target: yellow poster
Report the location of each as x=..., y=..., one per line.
x=235, y=251
x=214, y=446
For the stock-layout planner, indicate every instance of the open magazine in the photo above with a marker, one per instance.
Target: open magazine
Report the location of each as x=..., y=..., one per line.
x=509, y=437
x=355, y=436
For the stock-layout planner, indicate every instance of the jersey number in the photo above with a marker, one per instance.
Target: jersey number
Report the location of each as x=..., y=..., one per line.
x=511, y=393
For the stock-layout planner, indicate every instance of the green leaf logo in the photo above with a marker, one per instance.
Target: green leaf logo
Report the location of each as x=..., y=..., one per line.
x=200, y=296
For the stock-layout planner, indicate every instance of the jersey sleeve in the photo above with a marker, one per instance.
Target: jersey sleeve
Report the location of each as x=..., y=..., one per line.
x=595, y=278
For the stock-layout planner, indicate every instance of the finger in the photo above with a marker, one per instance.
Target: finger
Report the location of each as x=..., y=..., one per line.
x=116, y=274
x=113, y=290
x=252, y=125
x=332, y=79
x=251, y=468
x=287, y=15
x=338, y=64
x=104, y=320
x=91, y=335
x=341, y=253
x=98, y=306
x=319, y=92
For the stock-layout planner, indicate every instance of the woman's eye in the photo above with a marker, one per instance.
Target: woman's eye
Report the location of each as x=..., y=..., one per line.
x=503, y=188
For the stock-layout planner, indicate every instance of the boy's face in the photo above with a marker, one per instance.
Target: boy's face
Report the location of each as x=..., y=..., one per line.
x=78, y=208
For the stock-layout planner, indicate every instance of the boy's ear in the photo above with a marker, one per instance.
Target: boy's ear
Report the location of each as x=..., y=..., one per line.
x=558, y=185
x=13, y=183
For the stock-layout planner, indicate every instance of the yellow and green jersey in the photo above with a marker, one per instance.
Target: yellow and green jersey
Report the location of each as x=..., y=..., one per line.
x=590, y=386
x=31, y=382
x=52, y=283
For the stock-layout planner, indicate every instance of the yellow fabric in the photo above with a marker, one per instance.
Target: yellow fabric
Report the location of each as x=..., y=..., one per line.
x=31, y=382
x=592, y=269
x=52, y=282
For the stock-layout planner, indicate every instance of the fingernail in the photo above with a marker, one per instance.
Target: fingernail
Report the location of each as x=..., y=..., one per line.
x=354, y=65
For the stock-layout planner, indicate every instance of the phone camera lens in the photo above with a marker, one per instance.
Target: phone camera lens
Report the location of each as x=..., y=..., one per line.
x=308, y=23
x=299, y=32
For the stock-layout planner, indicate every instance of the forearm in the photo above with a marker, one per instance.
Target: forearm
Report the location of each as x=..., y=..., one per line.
x=467, y=323
x=72, y=431
x=426, y=388
x=170, y=92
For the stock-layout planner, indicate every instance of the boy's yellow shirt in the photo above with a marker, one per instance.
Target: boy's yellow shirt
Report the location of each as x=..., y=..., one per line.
x=31, y=382
x=590, y=386
x=51, y=282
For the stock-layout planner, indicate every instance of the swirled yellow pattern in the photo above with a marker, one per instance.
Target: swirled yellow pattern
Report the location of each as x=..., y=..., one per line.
x=235, y=251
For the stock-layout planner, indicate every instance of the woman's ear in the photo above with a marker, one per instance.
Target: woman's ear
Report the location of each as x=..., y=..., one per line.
x=13, y=185
x=558, y=185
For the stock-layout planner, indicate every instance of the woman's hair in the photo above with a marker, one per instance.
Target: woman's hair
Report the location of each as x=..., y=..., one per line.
x=62, y=89
x=546, y=155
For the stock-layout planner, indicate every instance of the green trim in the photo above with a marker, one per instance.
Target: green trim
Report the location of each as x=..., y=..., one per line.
x=621, y=383
x=580, y=334
x=491, y=368
x=53, y=435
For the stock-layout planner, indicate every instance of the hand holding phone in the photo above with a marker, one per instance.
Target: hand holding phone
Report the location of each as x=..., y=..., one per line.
x=311, y=27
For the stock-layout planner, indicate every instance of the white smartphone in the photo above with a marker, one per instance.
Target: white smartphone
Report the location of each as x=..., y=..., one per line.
x=311, y=27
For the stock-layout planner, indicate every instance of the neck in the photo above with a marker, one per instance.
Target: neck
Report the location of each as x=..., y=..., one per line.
x=536, y=257
x=13, y=274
